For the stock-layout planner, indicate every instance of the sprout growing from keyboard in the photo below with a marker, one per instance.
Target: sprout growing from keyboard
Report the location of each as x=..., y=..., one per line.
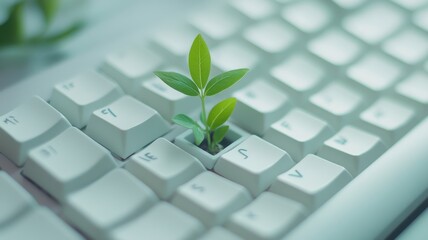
x=211, y=127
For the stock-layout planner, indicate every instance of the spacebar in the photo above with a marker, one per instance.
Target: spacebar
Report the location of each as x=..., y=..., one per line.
x=375, y=202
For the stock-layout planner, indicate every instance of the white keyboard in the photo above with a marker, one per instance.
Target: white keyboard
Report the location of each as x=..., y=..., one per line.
x=331, y=130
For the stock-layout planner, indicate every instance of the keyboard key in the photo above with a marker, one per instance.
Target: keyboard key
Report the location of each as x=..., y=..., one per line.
x=164, y=99
x=335, y=47
x=349, y=4
x=375, y=72
x=353, y=149
x=128, y=67
x=108, y=202
x=415, y=88
x=311, y=182
x=367, y=25
x=298, y=133
x=336, y=103
x=125, y=126
x=261, y=103
x=219, y=233
x=271, y=36
x=163, y=221
x=14, y=199
x=420, y=18
x=409, y=46
x=211, y=198
x=176, y=40
x=234, y=54
x=298, y=74
x=66, y=163
x=164, y=167
x=27, y=126
x=39, y=223
x=268, y=217
x=254, y=9
x=217, y=23
x=78, y=97
x=411, y=4
x=308, y=16
x=254, y=164
x=388, y=118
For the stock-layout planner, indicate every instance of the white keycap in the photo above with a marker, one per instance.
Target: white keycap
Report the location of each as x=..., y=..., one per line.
x=108, y=202
x=219, y=233
x=129, y=66
x=336, y=47
x=375, y=71
x=164, y=167
x=254, y=164
x=125, y=126
x=234, y=54
x=308, y=16
x=254, y=9
x=312, y=181
x=14, y=199
x=353, y=149
x=349, y=4
x=388, y=118
x=272, y=36
x=66, y=163
x=175, y=39
x=40, y=224
x=369, y=26
x=420, y=18
x=260, y=102
x=79, y=96
x=211, y=198
x=298, y=133
x=411, y=4
x=415, y=88
x=217, y=23
x=268, y=217
x=164, y=99
x=163, y=221
x=298, y=74
x=27, y=126
x=410, y=46
x=336, y=103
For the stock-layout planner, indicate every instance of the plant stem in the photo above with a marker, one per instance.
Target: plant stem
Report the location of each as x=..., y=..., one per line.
x=207, y=128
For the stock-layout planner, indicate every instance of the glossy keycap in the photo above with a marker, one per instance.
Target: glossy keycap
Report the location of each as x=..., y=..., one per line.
x=308, y=16
x=409, y=46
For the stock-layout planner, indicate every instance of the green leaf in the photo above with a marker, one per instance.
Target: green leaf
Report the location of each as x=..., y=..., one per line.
x=48, y=8
x=224, y=81
x=199, y=135
x=199, y=62
x=185, y=121
x=179, y=82
x=12, y=30
x=221, y=112
x=220, y=133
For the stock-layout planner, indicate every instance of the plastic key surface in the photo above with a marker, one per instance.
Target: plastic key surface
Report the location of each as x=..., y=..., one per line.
x=164, y=167
x=269, y=216
x=211, y=198
x=409, y=46
x=311, y=182
x=254, y=164
x=39, y=224
x=29, y=125
x=220, y=233
x=14, y=199
x=125, y=126
x=68, y=162
x=163, y=221
x=108, y=202
x=308, y=16
x=79, y=96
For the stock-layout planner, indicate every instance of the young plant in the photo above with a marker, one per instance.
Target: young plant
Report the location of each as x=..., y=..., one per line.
x=210, y=128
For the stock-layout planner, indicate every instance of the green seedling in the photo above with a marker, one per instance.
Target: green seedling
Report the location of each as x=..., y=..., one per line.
x=211, y=128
